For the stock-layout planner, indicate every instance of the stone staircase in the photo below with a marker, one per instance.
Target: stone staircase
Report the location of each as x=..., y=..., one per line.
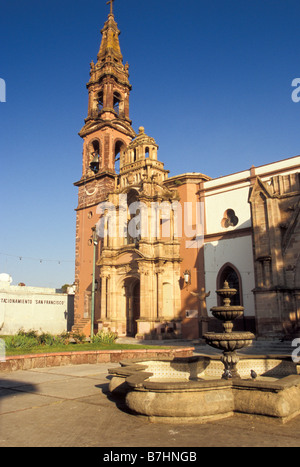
x=264, y=346
x=82, y=326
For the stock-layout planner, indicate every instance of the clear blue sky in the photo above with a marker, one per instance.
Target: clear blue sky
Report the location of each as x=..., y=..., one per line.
x=211, y=83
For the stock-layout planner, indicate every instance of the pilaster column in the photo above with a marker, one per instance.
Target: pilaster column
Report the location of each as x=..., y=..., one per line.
x=103, y=297
x=159, y=278
x=105, y=240
x=267, y=265
x=144, y=292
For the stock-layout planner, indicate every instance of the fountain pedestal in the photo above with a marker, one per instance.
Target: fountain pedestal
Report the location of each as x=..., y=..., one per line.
x=228, y=341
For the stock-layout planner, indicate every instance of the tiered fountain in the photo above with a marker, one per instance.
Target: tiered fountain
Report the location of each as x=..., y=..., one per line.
x=228, y=341
x=197, y=389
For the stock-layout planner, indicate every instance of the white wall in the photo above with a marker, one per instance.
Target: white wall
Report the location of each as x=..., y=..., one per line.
x=32, y=308
x=232, y=192
x=237, y=251
x=284, y=167
x=217, y=203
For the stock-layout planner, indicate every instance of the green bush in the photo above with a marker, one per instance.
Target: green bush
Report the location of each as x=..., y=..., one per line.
x=79, y=338
x=28, y=334
x=104, y=337
x=32, y=339
x=63, y=338
x=20, y=341
x=29, y=339
x=46, y=339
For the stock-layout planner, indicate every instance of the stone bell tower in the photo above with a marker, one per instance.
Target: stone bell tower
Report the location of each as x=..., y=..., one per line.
x=107, y=131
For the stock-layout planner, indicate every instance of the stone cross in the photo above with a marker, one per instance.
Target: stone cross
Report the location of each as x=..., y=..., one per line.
x=111, y=6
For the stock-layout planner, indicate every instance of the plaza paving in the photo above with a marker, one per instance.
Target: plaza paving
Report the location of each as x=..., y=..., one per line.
x=70, y=407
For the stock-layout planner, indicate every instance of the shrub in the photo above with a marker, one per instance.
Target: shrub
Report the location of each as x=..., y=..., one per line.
x=105, y=337
x=63, y=338
x=30, y=339
x=79, y=338
x=46, y=339
x=29, y=334
x=20, y=341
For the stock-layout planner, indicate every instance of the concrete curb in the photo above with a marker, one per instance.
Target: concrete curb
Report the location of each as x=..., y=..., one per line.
x=29, y=362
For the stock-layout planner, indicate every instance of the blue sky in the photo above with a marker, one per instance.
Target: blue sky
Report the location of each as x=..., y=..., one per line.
x=211, y=83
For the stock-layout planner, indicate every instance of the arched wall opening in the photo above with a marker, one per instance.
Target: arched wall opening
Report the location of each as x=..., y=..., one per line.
x=229, y=273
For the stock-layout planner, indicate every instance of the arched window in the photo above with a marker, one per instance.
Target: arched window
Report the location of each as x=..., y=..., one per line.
x=118, y=147
x=231, y=275
x=117, y=101
x=95, y=147
x=147, y=152
x=100, y=101
x=94, y=155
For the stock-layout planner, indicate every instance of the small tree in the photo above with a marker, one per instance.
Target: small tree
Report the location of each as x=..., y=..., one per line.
x=64, y=288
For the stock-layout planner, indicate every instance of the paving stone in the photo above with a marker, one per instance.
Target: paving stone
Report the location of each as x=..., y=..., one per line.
x=71, y=407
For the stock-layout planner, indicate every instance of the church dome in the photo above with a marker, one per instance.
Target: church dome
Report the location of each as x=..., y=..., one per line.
x=143, y=140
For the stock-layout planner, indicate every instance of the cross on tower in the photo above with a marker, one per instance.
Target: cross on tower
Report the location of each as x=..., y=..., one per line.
x=111, y=6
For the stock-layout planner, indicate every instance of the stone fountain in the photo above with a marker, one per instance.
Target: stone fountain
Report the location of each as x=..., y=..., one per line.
x=228, y=341
x=197, y=389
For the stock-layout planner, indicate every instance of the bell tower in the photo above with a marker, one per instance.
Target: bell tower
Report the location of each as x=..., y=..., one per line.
x=107, y=126
x=107, y=132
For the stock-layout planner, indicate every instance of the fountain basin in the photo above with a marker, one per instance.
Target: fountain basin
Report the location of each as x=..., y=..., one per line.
x=223, y=313
x=190, y=390
x=229, y=341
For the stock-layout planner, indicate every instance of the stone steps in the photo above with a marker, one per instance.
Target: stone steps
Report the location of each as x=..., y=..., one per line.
x=271, y=347
x=80, y=326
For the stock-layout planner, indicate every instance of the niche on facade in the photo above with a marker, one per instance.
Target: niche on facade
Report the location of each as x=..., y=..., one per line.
x=167, y=299
x=133, y=218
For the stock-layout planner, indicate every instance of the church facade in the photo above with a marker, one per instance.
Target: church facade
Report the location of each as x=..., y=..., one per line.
x=151, y=250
